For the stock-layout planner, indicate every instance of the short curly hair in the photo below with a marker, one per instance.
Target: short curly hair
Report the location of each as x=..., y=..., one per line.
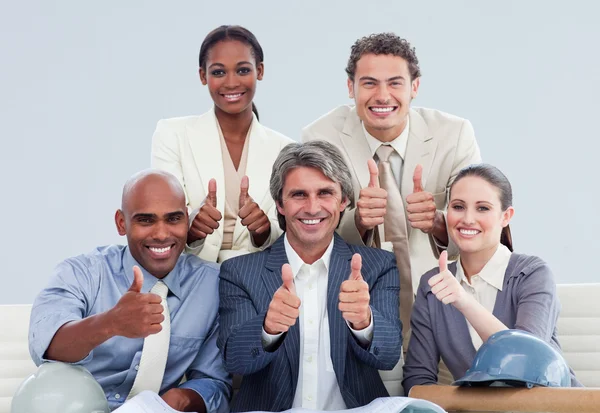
x=383, y=43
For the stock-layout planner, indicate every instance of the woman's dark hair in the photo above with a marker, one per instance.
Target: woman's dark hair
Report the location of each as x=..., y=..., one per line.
x=228, y=32
x=497, y=179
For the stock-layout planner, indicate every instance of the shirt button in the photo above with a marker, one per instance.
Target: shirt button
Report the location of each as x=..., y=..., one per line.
x=117, y=396
x=309, y=359
x=310, y=322
x=309, y=398
x=137, y=367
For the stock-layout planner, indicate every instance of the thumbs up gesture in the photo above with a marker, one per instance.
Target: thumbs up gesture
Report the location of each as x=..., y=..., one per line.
x=137, y=315
x=208, y=217
x=446, y=287
x=420, y=206
x=284, y=308
x=354, y=297
x=252, y=216
x=372, y=202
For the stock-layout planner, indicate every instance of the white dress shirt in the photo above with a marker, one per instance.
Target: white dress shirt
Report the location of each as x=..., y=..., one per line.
x=484, y=286
x=399, y=144
x=317, y=387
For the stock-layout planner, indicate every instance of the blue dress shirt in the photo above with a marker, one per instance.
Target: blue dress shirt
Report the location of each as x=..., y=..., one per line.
x=93, y=283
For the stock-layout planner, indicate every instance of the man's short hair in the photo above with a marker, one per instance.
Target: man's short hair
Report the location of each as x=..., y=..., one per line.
x=316, y=154
x=386, y=44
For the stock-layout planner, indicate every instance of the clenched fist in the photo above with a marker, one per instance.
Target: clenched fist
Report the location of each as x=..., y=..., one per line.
x=284, y=308
x=372, y=202
x=208, y=217
x=137, y=315
x=420, y=206
x=252, y=216
x=446, y=287
x=354, y=297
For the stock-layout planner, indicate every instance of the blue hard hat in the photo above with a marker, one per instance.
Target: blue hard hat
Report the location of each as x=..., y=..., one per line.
x=517, y=358
x=59, y=388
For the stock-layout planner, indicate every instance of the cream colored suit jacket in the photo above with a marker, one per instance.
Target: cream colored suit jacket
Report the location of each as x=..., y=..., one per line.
x=189, y=148
x=442, y=143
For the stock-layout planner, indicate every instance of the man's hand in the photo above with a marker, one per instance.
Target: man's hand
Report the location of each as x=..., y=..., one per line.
x=208, y=217
x=252, y=216
x=354, y=297
x=284, y=308
x=136, y=315
x=184, y=400
x=420, y=206
x=446, y=287
x=372, y=202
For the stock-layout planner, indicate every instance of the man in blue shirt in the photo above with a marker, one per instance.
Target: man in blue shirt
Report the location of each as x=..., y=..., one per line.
x=97, y=310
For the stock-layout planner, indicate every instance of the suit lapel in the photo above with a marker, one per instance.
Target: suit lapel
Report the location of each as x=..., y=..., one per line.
x=272, y=280
x=339, y=270
x=203, y=137
x=420, y=150
x=356, y=146
x=257, y=170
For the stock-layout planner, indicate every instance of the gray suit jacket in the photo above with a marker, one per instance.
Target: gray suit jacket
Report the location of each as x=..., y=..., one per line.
x=442, y=143
x=270, y=378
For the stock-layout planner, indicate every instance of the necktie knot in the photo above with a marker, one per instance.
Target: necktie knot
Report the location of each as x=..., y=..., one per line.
x=384, y=152
x=160, y=288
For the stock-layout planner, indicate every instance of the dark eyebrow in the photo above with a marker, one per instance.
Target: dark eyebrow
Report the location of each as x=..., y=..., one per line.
x=143, y=215
x=174, y=214
x=222, y=65
x=328, y=188
x=396, y=78
x=368, y=78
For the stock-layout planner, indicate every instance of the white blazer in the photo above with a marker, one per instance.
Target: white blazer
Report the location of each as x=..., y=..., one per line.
x=189, y=147
x=442, y=143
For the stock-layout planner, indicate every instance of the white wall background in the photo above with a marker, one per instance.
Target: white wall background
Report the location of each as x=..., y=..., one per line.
x=82, y=85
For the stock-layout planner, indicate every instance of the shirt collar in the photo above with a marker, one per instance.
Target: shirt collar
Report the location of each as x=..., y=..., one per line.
x=172, y=280
x=296, y=262
x=493, y=271
x=399, y=144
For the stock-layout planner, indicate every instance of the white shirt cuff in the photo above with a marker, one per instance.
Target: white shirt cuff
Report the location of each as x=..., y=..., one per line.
x=364, y=336
x=269, y=340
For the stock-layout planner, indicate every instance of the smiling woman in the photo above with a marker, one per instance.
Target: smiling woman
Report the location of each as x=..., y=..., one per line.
x=492, y=288
x=216, y=156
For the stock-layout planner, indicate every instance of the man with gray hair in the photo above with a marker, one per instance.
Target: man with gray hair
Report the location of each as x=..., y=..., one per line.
x=309, y=321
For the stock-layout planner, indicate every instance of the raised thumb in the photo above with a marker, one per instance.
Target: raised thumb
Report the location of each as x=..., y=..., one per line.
x=356, y=265
x=138, y=280
x=287, y=277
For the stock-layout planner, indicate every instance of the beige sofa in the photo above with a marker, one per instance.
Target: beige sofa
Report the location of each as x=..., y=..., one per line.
x=579, y=333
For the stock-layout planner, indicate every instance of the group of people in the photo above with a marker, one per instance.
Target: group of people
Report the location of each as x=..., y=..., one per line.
x=304, y=268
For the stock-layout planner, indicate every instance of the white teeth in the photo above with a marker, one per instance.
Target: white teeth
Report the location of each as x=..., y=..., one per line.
x=237, y=95
x=160, y=250
x=469, y=231
x=310, y=221
x=382, y=110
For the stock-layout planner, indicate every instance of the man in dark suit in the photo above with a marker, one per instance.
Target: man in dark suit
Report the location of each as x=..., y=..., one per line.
x=309, y=321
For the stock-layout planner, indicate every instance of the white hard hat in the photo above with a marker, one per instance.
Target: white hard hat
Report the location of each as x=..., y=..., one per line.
x=59, y=388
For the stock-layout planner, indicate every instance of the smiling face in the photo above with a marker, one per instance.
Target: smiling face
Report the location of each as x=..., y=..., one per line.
x=475, y=217
x=231, y=74
x=382, y=91
x=311, y=205
x=154, y=219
